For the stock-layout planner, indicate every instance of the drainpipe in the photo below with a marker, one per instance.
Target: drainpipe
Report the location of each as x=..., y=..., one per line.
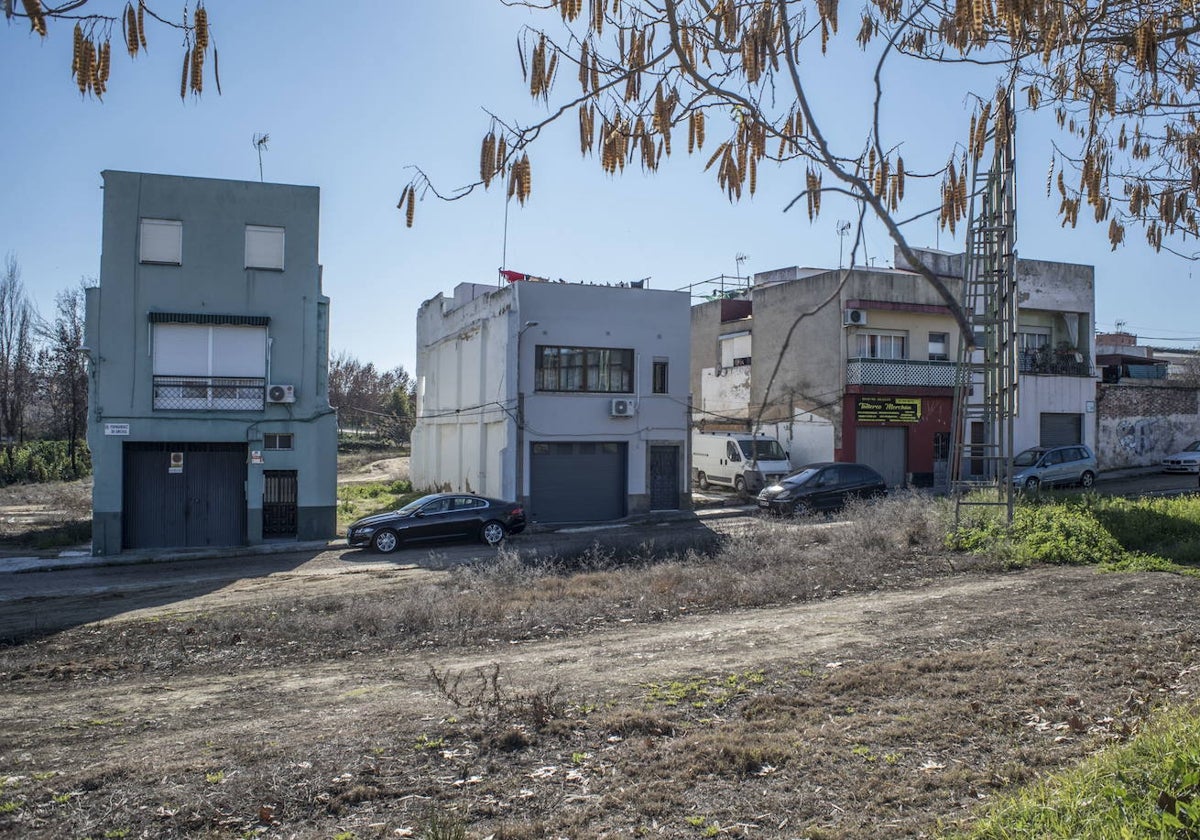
x=520, y=466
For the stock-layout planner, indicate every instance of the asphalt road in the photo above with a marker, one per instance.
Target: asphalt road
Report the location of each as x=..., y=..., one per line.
x=40, y=602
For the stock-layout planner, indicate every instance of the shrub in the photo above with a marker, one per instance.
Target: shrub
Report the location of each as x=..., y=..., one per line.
x=43, y=460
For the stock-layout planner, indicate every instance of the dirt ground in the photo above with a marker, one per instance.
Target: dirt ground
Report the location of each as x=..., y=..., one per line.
x=873, y=714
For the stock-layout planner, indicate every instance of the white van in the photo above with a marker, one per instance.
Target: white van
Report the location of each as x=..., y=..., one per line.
x=743, y=461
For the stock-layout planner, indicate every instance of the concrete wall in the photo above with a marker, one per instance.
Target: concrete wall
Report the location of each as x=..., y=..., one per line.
x=212, y=280
x=1141, y=423
x=1053, y=395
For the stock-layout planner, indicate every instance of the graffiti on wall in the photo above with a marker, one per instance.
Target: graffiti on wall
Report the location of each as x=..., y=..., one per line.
x=1139, y=437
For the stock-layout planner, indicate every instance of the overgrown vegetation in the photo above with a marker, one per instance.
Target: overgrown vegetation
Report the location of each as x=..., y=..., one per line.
x=358, y=500
x=1150, y=534
x=45, y=460
x=1148, y=787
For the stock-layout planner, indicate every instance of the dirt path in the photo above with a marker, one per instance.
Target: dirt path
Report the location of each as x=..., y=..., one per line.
x=862, y=715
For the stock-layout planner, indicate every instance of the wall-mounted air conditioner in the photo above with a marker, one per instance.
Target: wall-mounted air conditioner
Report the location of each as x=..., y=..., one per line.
x=281, y=393
x=854, y=317
x=622, y=408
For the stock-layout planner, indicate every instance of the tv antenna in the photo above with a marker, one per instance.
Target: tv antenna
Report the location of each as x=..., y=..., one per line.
x=260, y=144
x=843, y=230
x=739, y=259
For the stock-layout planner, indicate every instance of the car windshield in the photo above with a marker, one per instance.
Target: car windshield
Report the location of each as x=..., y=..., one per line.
x=1193, y=447
x=409, y=508
x=762, y=450
x=801, y=477
x=1028, y=458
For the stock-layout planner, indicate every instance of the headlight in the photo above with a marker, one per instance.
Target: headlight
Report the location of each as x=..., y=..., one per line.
x=363, y=530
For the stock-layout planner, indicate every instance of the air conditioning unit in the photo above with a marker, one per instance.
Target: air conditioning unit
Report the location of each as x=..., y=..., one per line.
x=623, y=408
x=281, y=393
x=854, y=317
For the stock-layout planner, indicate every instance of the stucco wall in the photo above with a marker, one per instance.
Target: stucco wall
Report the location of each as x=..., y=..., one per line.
x=1140, y=424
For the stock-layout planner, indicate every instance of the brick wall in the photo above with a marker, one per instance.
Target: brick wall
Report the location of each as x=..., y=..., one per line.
x=1140, y=423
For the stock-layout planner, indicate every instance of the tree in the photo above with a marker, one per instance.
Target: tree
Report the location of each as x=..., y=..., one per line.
x=1118, y=77
x=16, y=354
x=368, y=398
x=64, y=379
x=91, y=56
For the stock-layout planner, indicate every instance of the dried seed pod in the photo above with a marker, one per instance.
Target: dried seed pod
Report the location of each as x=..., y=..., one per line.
x=77, y=56
x=501, y=153
x=200, y=25
x=197, y=79
x=410, y=209
x=487, y=158
x=131, y=31
x=37, y=19
x=141, y=21
x=187, y=66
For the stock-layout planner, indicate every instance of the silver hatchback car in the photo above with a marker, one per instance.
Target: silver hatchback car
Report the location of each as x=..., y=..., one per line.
x=1053, y=465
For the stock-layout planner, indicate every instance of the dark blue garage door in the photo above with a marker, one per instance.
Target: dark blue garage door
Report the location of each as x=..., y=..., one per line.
x=183, y=494
x=577, y=482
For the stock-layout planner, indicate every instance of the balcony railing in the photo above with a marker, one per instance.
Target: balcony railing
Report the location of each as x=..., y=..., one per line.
x=1052, y=363
x=900, y=372
x=209, y=393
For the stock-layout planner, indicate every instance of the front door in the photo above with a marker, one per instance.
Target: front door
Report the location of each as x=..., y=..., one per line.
x=664, y=478
x=279, y=503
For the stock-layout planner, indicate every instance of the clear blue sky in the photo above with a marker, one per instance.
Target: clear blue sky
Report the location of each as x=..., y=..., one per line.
x=351, y=94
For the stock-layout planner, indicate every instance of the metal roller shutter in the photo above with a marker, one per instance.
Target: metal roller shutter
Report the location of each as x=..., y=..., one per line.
x=1061, y=429
x=886, y=449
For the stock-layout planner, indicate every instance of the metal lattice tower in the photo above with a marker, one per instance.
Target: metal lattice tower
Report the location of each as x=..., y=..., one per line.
x=985, y=391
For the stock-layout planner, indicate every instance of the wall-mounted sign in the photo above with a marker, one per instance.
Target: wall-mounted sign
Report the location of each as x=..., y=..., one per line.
x=176, y=466
x=889, y=409
x=256, y=456
x=116, y=428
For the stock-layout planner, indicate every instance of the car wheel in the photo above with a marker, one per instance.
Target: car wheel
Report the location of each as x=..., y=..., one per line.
x=702, y=481
x=802, y=508
x=1087, y=479
x=493, y=532
x=739, y=484
x=385, y=542
x=1032, y=484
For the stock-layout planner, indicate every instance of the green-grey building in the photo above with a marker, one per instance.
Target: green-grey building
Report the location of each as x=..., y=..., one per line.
x=208, y=343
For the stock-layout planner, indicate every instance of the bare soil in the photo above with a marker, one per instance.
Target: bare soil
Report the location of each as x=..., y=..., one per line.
x=869, y=714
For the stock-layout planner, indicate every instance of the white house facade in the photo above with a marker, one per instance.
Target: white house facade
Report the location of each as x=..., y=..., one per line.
x=570, y=398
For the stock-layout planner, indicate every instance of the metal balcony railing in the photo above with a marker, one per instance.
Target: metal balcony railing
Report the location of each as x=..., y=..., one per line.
x=209, y=393
x=900, y=372
x=1049, y=363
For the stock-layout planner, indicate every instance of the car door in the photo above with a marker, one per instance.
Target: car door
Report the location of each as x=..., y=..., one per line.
x=830, y=492
x=464, y=517
x=430, y=522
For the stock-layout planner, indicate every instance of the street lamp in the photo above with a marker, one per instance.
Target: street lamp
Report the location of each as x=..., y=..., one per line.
x=520, y=470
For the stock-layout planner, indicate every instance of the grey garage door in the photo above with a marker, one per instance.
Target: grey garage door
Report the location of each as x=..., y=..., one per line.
x=885, y=448
x=577, y=482
x=183, y=494
x=1061, y=429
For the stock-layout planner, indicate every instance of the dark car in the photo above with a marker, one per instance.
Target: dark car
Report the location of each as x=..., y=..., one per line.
x=441, y=516
x=821, y=487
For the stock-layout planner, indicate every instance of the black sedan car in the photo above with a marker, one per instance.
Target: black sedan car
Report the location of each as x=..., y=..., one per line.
x=821, y=487
x=441, y=516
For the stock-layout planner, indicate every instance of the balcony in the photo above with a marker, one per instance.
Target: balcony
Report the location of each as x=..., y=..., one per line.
x=907, y=373
x=208, y=393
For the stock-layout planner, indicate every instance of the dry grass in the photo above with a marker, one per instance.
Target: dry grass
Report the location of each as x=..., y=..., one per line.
x=47, y=515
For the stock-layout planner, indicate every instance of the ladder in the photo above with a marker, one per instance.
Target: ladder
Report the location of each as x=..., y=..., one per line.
x=986, y=377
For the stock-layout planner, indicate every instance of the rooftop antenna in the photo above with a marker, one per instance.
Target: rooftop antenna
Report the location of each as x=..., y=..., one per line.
x=260, y=144
x=843, y=230
x=739, y=259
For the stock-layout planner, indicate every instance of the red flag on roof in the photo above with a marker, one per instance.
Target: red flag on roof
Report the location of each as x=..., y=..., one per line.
x=513, y=276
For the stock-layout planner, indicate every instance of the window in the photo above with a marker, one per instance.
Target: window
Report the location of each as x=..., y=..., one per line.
x=161, y=242
x=939, y=347
x=209, y=366
x=272, y=440
x=584, y=369
x=660, y=376
x=880, y=345
x=941, y=446
x=264, y=247
x=735, y=349
x=1032, y=339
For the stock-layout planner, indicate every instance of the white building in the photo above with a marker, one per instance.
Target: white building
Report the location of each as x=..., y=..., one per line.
x=571, y=398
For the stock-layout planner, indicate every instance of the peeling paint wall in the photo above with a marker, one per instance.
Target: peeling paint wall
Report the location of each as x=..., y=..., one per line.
x=1140, y=424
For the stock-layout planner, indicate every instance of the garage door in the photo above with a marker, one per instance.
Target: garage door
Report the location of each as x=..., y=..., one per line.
x=1061, y=429
x=183, y=494
x=884, y=448
x=577, y=482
